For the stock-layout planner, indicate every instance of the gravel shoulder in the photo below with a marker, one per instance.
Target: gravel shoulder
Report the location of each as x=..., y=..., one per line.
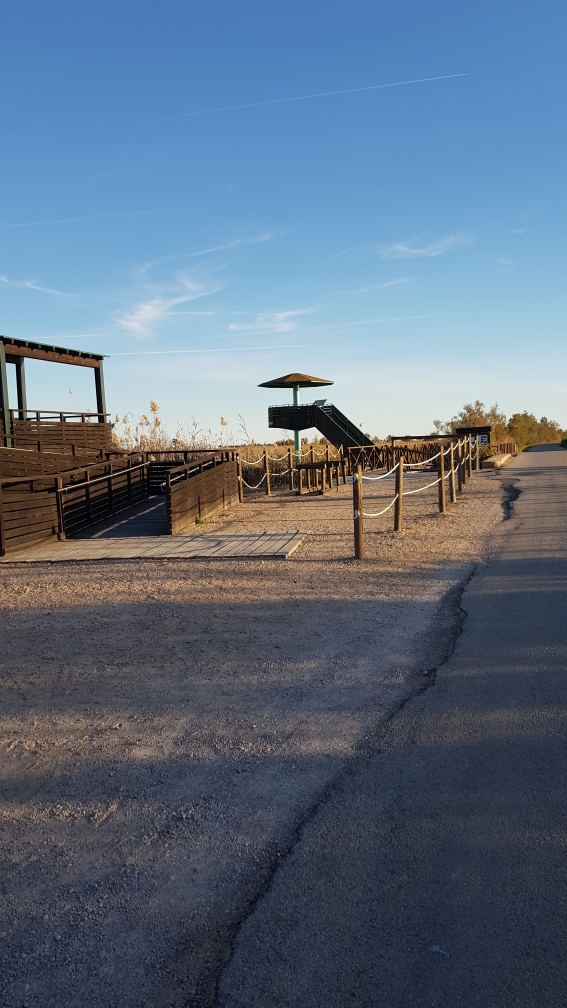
x=168, y=726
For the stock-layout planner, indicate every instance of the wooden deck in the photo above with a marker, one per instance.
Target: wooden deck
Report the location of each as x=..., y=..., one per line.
x=199, y=546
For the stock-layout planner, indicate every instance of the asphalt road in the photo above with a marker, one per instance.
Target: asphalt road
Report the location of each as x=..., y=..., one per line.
x=435, y=874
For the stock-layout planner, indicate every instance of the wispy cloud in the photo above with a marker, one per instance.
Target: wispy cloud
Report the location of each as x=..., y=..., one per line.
x=388, y=285
x=268, y=322
x=408, y=250
x=264, y=236
x=506, y=264
x=141, y=320
x=32, y=285
x=519, y=231
x=76, y=220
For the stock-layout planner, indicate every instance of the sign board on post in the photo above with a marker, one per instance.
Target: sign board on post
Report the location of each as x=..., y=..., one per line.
x=479, y=434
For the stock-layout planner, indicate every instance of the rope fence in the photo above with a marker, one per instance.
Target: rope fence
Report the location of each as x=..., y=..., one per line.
x=454, y=463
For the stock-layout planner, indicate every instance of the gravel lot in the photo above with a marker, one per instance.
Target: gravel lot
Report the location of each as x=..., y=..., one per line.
x=168, y=726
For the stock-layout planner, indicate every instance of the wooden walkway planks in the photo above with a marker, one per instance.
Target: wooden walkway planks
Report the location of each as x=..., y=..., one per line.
x=200, y=546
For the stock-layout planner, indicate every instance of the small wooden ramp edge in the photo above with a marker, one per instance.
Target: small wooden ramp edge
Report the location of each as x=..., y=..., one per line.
x=202, y=546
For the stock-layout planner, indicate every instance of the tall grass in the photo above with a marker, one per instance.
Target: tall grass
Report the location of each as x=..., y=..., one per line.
x=149, y=433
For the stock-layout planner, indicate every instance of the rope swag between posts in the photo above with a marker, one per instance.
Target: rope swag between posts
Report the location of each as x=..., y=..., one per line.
x=454, y=463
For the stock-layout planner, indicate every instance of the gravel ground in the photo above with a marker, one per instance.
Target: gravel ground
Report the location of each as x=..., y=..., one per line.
x=168, y=726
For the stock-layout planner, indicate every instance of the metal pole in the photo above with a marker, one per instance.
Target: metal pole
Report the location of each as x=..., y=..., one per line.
x=358, y=520
x=296, y=433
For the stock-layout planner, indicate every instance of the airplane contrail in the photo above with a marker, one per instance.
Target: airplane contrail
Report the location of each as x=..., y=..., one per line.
x=142, y=353
x=320, y=94
x=234, y=108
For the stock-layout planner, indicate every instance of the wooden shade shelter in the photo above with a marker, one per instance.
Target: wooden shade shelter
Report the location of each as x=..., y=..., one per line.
x=15, y=351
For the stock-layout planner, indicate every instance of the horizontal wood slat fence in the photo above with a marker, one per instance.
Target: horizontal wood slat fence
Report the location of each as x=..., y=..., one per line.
x=198, y=491
x=37, y=430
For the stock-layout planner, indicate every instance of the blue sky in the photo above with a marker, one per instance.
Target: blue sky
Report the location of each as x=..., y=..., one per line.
x=406, y=241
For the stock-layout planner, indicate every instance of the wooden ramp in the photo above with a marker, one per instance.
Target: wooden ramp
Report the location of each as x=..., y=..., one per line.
x=199, y=546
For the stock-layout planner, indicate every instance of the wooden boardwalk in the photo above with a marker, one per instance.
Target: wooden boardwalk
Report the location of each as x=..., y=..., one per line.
x=148, y=518
x=199, y=546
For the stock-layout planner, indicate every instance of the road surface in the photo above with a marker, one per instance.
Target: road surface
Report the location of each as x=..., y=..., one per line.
x=434, y=875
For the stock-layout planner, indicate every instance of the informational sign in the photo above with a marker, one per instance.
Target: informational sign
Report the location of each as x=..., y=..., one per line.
x=481, y=435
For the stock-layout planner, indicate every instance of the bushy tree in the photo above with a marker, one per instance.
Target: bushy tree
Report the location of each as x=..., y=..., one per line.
x=476, y=415
x=522, y=428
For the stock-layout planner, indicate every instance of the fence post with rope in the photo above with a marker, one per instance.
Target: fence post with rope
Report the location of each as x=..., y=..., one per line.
x=239, y=476
x=452, y=485
x=441, y=475
x=290, y=465
x=358, y=519
x=398, y=506
x=459, y=468
x=267, y=473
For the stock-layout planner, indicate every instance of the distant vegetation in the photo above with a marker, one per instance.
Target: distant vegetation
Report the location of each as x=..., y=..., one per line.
x=522, y=428
x=149, y=433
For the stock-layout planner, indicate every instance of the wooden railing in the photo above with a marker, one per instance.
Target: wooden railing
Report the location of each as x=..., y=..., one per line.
x=197, y=491
x=40, y=507
x=41, y=430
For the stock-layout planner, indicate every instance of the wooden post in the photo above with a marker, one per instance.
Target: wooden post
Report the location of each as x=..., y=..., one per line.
x=469, y=455
x=358, y=519
x=398, y=509
x=239, y=477
x=2, y=530
x=4, y=400
x=290, y=464
x=476, y=453
x=458, y=468
x=60, y=509
x=441, y=475
x=88, y=496
x=452, y=487
x=267, y=471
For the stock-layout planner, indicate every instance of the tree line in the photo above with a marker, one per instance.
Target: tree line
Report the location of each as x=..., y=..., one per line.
x=522, y=428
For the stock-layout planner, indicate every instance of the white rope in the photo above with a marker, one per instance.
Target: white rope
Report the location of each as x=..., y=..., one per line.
x=372, y=479
x=246, y=462
x=378, y=513
x=276, y=458
x=407, y=493
x=257, y=484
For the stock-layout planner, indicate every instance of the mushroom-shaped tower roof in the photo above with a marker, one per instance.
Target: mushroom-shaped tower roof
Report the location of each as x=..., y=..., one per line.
x=289, y=380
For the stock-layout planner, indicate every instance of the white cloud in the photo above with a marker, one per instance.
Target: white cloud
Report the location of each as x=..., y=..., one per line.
x=32, y=285
x=405, y=250
x=141, y=320
x=270, y=322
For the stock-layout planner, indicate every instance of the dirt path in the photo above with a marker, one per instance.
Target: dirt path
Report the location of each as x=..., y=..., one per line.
x=167, y=726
